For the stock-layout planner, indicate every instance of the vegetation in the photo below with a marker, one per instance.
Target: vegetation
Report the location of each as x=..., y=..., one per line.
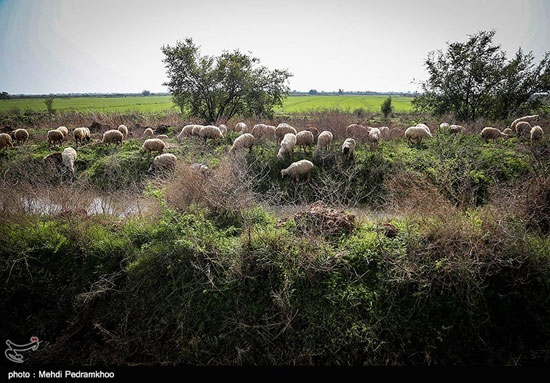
x=386, y=108
x=218, y=88
x=474, y=79
x=148, y=104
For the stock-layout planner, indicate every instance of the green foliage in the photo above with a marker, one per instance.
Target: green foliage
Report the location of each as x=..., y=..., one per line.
x=48, y=101
x=474, y=79
x=386, y=108
x=217, y=88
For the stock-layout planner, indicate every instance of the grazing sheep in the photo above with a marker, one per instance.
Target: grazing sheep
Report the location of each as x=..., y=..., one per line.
x=210, y=131
x=263, y=131
x=153, y=145
x=297, y=169
x=523, y=119
x=241, y=128
x=348, y=148
x=396, y=133
x=455, y=129
x=287, y=146
x=243, y=141
x=166, y=161
x=63, y=130
x=223, y=129
x=491, y=133
x=313, y=130
x=148, y=132
x=374, y=137
x=68, y=157
x=21, y=135
x=417, y=133
x=55, y=137
x=536, y=133
x=196, y=131
x=426, y=127
x=124, y=130
x=444, y=125
x=282, y=129
x=356, y=131
x=81, y=134
x=5, y=141
x=112, y=137
x=162, y=136
x=509, y=132
x=187, y=131
x=522, y=128
x=304, y=139
x=324, y=140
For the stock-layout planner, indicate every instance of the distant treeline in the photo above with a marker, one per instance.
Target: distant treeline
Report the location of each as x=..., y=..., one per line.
x=314, y=92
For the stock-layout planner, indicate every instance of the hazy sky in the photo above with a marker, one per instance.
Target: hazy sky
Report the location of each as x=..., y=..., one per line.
x=114, y=45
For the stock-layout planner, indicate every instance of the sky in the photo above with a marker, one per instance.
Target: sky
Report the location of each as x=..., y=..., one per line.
x=64, y=46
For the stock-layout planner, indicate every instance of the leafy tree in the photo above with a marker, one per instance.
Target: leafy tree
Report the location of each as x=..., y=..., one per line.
x=340, y=92
x=474, y=79
x=313, y=92
x=4, y=96
x=49, y=104
x=386, y=107
x=145, y=93
x=218, y=87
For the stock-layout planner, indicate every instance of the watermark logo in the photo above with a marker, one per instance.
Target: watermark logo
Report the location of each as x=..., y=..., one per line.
x=13, y=350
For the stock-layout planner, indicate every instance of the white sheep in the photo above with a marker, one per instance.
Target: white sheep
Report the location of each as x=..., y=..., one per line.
x=162, y=136
x=210, y=131
x=148, y=132
x=426, y=127
x=282, y=129
x=374, y=137
x=165, y=161
x=297, y=169
x=444, y=125
x=263, y=131
x=287, y=146
x=536, y=133
x=223, y=129
x=187, y=131
x=81, y=134
x=417, y=133
x=55, y=137
x=348, y=148
x=523, y=119
x=153, y=145
x=356, y=131
x=508, y=131
x=5, y=141
x=324, y=140
x=68, y=157
x=63, y=130
x=522, y=128
x=123, y=129
x=21, y=135
x=455, y=129
x=304, y=139
x=492, y=133
x=198, y=167
x=112, y=137
x=313, y=130
x=242, y=142
x=196, y=131
x=241, y=128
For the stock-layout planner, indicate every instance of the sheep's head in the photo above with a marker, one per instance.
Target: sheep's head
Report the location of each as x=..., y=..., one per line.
x=284, y=172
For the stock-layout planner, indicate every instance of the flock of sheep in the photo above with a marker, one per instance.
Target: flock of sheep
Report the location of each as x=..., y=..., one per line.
x=286, y=136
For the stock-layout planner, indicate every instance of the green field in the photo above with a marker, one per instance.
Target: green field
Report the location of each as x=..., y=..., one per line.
x=295, y=104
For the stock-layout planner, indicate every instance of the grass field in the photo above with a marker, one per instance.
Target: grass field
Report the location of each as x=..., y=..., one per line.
x=294, y=104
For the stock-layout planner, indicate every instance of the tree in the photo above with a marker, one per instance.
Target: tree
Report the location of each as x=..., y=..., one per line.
x=340, y=92
x=386, y=107
x=145, y=93
x=4, y=96
x=474, y=79
x=312, y=92
x=49, y=104
x=217, y=88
